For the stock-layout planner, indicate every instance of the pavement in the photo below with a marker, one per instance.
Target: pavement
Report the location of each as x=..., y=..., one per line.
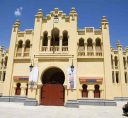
x=18, y=110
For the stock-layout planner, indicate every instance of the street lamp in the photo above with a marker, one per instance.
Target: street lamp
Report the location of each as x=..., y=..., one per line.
x=31, y=83
x=30, y=67
x=72, y=66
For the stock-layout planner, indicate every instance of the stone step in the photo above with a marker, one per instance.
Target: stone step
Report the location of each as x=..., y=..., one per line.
x=121, y=98
x=97, y=102
x=30, y=102
x=72, y=104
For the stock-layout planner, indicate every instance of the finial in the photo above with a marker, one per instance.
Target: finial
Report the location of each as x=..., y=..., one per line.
x=104, y=19
x=127, y=49
x=118, y=44
x=17, y=23
x=73, y=10
x=39, y=13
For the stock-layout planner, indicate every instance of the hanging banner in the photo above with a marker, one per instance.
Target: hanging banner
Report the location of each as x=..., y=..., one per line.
x=71, y=79
x=33, y=75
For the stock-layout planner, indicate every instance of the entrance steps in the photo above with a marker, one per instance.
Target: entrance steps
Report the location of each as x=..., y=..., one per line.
x=72, y=103
x=25, y=100
x=97, y=102
x=94, y=102
x=121, y=98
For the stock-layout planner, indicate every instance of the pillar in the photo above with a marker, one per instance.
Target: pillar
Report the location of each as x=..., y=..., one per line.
x=86, y=49
x=94, y=49
x=23, y=89
x=60, y=44
x=49, y=41
x=9, y=77
x=91, y=94
x=23, y=48
x=107, y=59
x=90, y=91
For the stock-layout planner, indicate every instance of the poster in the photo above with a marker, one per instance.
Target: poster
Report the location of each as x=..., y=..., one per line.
x=71, y=79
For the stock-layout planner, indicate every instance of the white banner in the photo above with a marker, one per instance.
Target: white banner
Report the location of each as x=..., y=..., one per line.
x=71, y=79
x=33, y=75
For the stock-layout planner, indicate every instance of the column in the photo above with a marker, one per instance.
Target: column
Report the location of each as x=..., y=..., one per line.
x=101, y=93
x=60, y=43
x=94, y=49
x=13, y=90
x=91, y=93
x=41, y=39
x=85, y=49
x=15, y=53
x=49, y=41
x=23, y=89
x=22, y=54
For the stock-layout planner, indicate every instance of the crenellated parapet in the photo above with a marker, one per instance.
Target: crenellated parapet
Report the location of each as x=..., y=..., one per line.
x=59, y=13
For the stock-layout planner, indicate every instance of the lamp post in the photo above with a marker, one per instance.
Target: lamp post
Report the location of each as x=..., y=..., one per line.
x=31, y=83
x=55, y=20
x=72, y=66
x=71, y=79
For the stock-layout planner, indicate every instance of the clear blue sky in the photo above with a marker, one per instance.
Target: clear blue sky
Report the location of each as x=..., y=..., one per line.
x=89, y=14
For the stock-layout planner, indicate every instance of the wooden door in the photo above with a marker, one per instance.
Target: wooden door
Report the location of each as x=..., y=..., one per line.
x=18, y=91
x=52, y=94
x=84, y=93
x=96, y=94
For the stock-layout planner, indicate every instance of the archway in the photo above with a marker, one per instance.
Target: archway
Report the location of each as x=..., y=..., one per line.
x=18, y=89
x=97, y=91
x=52, y=91
x=84, y=91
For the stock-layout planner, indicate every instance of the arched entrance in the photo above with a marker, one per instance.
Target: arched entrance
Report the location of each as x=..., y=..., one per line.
x=18, y=89
x=84, y=91
x=97, y=92
x=52, y=91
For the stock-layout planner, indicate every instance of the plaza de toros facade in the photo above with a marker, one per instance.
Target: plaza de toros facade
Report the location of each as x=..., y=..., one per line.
x=68, y=63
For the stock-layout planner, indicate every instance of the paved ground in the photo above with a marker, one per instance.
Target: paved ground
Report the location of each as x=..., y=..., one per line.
x=18, y=110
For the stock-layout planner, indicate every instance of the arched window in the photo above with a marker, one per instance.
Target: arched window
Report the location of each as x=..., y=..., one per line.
x=2, y=62
x=27, y=46
x=116, y=61
x=84, y=91
x=45, y=39
x=126, y=78
x=117, y=77
x=113, y=78
x=124, y=61
x=112, y=61
x=65, y=38
x=55, y=37
x=81, y=42
x=18, y=89
x=26, y=89
x=20, y=45
x=89, y=44
x=97, y=91
x=98, y=44
x=5, y=61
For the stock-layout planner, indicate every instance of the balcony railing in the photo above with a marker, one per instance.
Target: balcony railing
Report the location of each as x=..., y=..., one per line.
x=18, y=54
x=26, y=54
x=98, y=53
x=90, y=53
x=54, y=48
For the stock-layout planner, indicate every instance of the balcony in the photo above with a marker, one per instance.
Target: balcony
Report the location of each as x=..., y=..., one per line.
x=55, y=49
x=90, y=53
x=26, y=54
x=18, y=54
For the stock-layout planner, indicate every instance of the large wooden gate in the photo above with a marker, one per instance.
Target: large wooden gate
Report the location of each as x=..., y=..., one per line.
x=52, y=94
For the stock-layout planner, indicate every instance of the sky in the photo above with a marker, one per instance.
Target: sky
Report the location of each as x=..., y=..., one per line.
x=89, y=12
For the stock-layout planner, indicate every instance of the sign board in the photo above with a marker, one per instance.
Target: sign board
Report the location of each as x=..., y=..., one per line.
x=71, y=79
x=33, y=75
